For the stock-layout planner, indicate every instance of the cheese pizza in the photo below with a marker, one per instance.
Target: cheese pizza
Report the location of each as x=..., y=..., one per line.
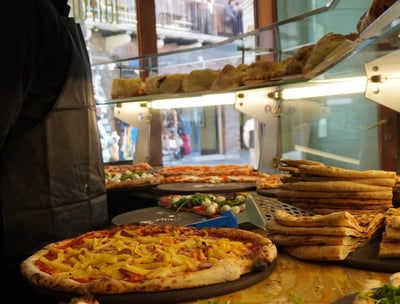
x=148, y=258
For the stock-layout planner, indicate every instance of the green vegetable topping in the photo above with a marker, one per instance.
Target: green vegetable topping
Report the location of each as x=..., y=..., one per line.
x=198, y=199
x=388, y=294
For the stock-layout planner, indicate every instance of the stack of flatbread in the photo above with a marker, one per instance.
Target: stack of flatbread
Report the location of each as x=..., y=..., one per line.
x=322, y=237
x=389, y=247
x=323, y=189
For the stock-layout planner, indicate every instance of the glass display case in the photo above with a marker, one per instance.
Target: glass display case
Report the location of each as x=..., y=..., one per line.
x=329, y=114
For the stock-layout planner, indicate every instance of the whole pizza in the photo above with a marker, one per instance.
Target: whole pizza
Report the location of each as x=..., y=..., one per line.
x=148, y=258
x=211, y=174
x=206, y=204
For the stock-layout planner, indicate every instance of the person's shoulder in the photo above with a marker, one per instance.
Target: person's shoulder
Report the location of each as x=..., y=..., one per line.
x=32, y=16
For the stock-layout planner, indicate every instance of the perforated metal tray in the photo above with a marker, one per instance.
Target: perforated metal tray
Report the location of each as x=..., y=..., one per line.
x=269, y=205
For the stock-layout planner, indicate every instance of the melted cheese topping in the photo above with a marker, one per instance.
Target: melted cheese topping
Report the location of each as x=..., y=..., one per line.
x=129, y=255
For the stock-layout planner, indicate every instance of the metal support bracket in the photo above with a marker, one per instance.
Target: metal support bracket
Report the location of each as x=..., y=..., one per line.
x=261, y=105
x=138, y=115
x=383, y=84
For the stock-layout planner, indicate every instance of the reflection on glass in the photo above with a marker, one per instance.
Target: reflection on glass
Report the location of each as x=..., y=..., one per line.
x=183, y=24
x=203, y=135
x=333, y=130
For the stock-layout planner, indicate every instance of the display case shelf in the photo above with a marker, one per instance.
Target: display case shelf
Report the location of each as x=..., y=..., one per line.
x=379, y=39
x=333, y=127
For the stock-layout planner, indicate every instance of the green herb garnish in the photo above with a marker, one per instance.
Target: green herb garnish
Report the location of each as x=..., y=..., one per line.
x=387, y=294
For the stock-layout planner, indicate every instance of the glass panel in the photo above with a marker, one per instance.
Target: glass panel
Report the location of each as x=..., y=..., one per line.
x=332, y=130
x=341, y=128
x=293, y=8
x=309, y=30
x=338, y=130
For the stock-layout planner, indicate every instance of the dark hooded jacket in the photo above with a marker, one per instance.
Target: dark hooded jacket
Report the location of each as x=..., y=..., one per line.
x=52, y=181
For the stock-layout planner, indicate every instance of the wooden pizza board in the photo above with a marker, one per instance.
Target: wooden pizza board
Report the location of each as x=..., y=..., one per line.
x=348, y=299
x=171, y=296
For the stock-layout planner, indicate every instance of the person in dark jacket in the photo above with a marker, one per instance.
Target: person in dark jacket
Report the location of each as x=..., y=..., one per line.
x=52, y=175
x=230, y=17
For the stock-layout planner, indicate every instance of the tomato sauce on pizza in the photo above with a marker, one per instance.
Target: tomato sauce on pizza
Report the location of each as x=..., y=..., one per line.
x=145, y=258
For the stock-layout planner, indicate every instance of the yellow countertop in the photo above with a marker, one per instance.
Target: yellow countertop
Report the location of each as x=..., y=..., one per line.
x=295, y=281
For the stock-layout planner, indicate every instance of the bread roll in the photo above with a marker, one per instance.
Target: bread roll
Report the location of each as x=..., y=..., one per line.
x=127, y=87
x=199, y=80
x=171, y=83
x=229, y=77
x=323, y=48
x=296, y=63
x=262, y=71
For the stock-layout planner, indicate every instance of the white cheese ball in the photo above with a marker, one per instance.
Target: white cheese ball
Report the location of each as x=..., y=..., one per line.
x=235, y=209
x=225, y=208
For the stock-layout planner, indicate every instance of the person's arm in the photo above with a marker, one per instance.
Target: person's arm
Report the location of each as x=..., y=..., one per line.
x=18, y=61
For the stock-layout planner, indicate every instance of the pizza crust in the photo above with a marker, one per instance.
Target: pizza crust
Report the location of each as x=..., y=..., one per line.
x=347, y=173
x=335, y=186
x=324, y=252
x=340, y=219
x=301, y=240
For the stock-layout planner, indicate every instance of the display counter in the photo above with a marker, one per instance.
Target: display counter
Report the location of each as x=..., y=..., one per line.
x=298, y=281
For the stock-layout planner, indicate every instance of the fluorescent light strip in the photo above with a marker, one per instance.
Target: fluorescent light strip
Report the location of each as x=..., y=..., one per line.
x=330, y=87
x=198, y=101
x=344, y=159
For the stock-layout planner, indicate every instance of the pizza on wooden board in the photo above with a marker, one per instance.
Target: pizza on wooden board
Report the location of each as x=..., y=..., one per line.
x=226, y=169
x=206, y=204
x=125, y=176
x=222, y=173
x=148, y=258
